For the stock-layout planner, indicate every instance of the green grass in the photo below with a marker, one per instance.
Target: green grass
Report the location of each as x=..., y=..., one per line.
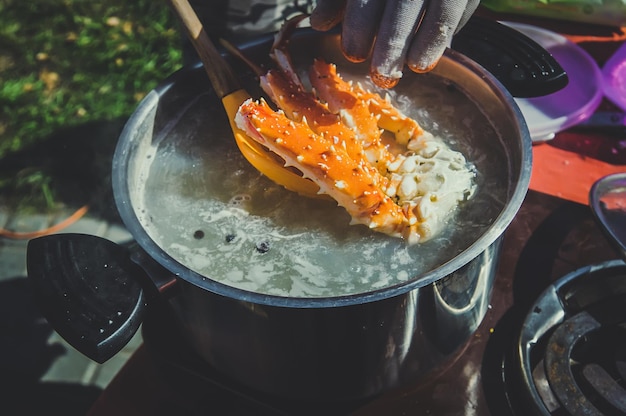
x=64, y=63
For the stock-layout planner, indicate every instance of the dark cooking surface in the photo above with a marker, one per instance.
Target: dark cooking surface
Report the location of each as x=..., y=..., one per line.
x=548, y=238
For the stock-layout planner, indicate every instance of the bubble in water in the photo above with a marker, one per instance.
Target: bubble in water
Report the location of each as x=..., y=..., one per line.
x=239, y=200
x=263, y=246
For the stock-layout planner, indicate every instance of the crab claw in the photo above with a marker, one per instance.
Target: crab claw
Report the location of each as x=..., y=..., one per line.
x=280, y=48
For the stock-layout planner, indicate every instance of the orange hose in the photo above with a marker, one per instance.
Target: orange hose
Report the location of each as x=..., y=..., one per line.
x=79, y=213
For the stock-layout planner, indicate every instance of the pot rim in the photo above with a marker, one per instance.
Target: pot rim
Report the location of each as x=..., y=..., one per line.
x=122, y=198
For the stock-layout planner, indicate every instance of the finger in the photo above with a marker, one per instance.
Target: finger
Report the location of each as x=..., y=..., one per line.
x=400, y=20
x=472, y=5
x=360, y=24
x=434, y=34
x=327, y=14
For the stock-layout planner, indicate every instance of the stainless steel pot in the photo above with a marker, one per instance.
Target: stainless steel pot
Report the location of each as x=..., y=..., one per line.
x=349, y=345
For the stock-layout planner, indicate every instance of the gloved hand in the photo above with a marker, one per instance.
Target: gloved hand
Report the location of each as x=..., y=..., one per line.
x=394, y=32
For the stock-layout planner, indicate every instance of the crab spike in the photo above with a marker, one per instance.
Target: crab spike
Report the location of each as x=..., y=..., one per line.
x=280, y=48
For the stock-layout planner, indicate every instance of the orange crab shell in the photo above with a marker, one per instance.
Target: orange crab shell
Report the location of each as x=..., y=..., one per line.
x=349, y=181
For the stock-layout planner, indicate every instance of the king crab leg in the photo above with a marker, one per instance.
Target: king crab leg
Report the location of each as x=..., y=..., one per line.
x=333, y=135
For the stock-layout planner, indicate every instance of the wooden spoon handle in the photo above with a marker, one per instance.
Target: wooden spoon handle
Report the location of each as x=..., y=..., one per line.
x=220, y=73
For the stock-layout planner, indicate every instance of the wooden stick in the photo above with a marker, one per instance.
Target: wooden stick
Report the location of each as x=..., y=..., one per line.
x=220, y=73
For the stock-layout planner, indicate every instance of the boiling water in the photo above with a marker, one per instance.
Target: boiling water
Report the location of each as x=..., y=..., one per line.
x=212, y=212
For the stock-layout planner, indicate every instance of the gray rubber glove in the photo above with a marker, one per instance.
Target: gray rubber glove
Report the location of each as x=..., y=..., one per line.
x=394, y=32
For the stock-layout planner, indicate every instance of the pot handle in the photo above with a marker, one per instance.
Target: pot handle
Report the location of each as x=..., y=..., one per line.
x=525, y=68
x=89, y=289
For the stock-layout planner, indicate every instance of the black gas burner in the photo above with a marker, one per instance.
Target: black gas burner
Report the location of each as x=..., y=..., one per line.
x=570, y=355
x=560, y=345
